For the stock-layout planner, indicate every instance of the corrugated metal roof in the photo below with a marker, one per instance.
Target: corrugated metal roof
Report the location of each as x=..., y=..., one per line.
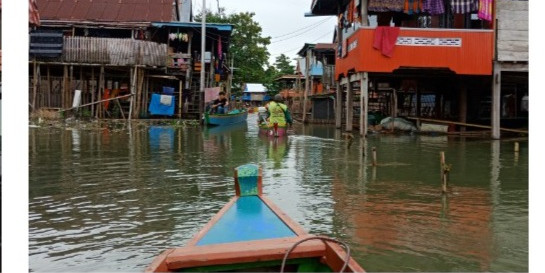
x=255, y=88
x=107, y=10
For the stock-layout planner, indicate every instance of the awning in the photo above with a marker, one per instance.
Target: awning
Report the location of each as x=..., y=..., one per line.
x=218, y=27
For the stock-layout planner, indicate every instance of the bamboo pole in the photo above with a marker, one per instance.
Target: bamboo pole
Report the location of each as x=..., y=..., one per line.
x=517, y=148
x=121, y=109
x=96, y=102
x=180, y=88
x=467, y=124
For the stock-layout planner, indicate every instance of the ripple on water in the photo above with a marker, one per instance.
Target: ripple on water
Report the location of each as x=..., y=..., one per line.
x=121, y=204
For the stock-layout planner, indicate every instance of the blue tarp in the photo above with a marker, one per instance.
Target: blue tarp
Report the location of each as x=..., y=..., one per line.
x=156, y=108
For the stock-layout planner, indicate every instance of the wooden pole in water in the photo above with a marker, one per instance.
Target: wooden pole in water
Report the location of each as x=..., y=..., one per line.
x=374, y=156
x=443, y=173
x=517, y=147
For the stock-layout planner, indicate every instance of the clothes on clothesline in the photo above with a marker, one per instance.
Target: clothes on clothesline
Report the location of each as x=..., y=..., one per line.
x=434, y=7
x=166, y=100
x=464, y=6
x=413, y=6
x=485, y=10
x=386, y=5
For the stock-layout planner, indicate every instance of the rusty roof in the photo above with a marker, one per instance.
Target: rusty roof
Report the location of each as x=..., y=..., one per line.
x=107, y=10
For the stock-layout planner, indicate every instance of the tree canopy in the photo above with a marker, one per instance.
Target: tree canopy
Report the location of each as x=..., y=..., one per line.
x=248, y=46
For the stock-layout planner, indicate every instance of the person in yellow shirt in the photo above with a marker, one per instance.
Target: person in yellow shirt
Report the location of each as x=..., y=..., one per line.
x=277, y=112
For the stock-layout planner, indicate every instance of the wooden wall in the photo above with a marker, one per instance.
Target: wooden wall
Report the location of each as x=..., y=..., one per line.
x=512, y=40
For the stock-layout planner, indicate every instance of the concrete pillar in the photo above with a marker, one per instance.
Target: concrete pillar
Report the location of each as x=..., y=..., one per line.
x=349, y=106
x=463, y=107
x=339, y=106
x=364, y=88
x=496, y=97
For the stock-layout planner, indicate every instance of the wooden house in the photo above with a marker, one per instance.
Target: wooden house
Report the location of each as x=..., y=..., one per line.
x=123, y=54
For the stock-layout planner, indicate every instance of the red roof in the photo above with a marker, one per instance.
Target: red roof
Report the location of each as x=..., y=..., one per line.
x=107, y=10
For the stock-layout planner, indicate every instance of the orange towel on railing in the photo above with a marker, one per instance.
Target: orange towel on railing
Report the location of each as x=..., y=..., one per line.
x=385, y=40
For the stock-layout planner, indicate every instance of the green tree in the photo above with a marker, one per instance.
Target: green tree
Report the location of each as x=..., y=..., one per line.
x=282, y=64
x=248, y=47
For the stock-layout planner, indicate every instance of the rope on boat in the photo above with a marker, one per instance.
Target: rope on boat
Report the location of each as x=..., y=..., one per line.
x=323, y=238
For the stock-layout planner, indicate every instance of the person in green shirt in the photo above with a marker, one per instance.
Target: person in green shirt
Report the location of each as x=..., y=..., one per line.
x=278, y=112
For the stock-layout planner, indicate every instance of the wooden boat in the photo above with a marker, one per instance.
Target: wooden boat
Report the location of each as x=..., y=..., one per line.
x=279, y=131
x=251, y=234
x=225, y=119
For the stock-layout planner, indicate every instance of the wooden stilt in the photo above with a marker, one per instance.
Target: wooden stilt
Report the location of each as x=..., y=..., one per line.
x=180, y=89
x=70, y=86
x=364, y=88
x=349, y=106
x=34, y=84
x=64, y=96
x=48, y=87
x=132, y=79
x=496, y=99
x=443, y=172
x=463, y=107
x=307, y=85
x=517, y=148
x=338, y=106
x=93, y=90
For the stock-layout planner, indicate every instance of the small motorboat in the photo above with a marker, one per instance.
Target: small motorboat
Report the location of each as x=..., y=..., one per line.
x=232, y=117
x=251, y=234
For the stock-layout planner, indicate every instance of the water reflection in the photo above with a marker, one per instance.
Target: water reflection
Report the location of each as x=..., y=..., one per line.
x=110, y=200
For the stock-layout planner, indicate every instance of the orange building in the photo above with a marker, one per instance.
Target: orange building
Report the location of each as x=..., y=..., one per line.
x=418, y=61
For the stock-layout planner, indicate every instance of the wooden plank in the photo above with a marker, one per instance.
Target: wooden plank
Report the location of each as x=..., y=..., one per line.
x=513, y=56
x=159, y=263
x=515, y=46
x=518, y=67
x=212, y=222
x=513, y=35
x=335, y=258
x=294, y=226
x=512, y=5
x=513, y=25
x=243, y=252
x=512, y=15
x=466, y=124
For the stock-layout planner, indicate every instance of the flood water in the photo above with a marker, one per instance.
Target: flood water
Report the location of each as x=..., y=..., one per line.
x=111, y=200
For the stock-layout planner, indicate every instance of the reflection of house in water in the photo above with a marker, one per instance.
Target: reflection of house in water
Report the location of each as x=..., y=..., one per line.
x=412, y=220
x=161, y=138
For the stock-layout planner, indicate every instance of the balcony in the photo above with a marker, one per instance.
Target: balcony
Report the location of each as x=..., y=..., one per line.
x=463, y=51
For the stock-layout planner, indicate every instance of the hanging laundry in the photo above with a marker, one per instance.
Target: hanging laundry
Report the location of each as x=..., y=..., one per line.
x=386, y=5
x=385, y=40
x=172, y=36
x=434, y=7
x=166, y=100
x=485, y=10
x=464, y=6
x=350, y=14
x=413, y=6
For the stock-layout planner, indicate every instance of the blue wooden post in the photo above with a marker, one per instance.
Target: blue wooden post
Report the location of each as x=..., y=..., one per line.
x=248, y=180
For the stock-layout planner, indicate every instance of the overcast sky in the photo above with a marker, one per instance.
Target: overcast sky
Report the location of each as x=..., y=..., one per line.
x=278, y=18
